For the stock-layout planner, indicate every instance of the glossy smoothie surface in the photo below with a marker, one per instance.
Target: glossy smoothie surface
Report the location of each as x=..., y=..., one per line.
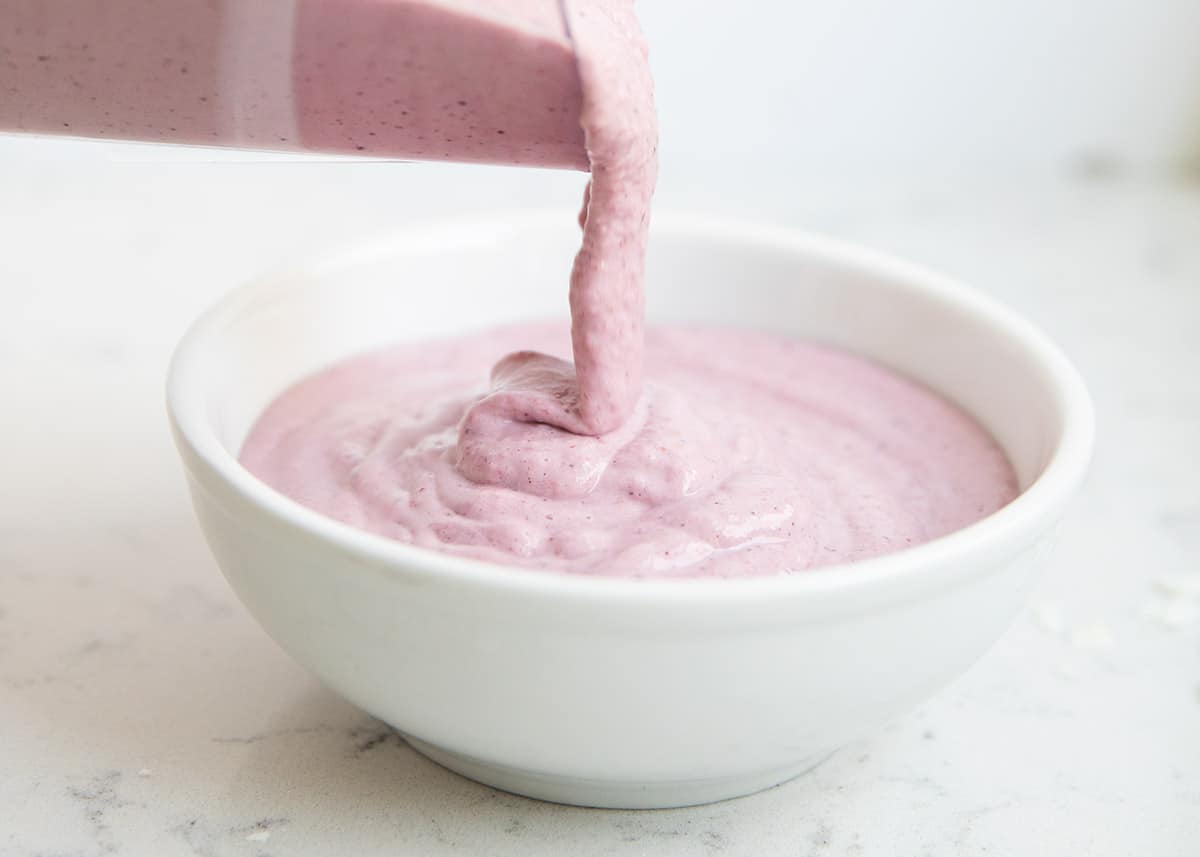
x=746, y=454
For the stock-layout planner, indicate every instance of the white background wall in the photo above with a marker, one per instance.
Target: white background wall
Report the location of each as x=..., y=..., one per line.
x=929, y=85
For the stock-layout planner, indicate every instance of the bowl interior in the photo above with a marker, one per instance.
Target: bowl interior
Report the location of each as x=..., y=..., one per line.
x=459, y=277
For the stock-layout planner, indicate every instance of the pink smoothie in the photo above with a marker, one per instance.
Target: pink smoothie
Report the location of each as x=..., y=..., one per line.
x=746, y=454
x=492, y=81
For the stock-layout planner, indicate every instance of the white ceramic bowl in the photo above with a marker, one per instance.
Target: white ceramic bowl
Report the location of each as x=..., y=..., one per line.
x=609, y=692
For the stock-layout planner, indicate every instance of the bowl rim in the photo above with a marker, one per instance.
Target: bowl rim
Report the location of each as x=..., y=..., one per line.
x=1017, y=524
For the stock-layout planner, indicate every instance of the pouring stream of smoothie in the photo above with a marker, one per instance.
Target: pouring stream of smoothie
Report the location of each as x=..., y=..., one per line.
x=561, y=83
x=598, y=394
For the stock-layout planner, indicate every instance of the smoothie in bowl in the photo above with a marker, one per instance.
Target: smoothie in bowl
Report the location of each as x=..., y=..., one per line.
x=664, y=686
x=745, y=453
x=609, y=564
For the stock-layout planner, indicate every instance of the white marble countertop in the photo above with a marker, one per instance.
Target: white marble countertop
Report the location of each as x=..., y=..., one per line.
x=142, y=711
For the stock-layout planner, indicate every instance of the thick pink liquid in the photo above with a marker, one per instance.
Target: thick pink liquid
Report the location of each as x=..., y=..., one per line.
x=486, y=80
x=747, y=454
x=506, y=81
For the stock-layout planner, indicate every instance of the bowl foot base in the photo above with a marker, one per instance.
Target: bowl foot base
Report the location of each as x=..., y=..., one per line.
x=612, y=794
